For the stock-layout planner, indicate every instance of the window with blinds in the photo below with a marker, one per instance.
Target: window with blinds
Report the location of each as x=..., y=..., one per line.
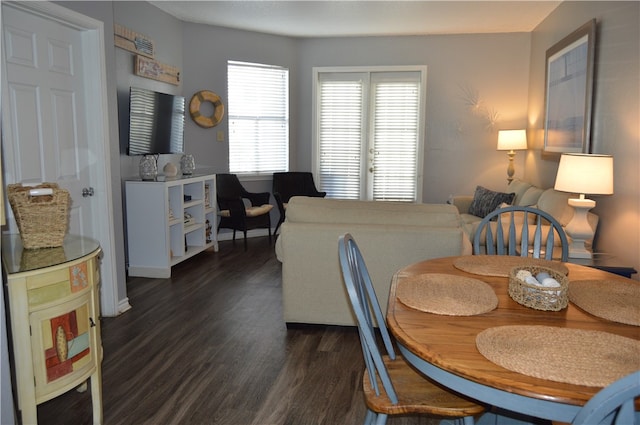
x=258, y=114
x=369, y=133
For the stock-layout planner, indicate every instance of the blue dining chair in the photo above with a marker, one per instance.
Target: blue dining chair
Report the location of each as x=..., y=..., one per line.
x=614, y=404
x=499, y=231
x=391, y=386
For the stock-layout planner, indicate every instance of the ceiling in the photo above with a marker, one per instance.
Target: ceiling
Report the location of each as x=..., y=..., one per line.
x=334, y=18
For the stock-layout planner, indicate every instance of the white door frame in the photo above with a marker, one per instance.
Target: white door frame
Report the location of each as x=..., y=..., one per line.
x=92, y=32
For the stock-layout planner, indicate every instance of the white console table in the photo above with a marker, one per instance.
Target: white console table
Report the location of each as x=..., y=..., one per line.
x=168, y=222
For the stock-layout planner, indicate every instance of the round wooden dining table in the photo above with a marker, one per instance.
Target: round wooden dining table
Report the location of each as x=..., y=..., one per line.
x=443, y=347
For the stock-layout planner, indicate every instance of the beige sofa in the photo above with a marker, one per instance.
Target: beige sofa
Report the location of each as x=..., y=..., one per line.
x=526, y=194
x=390, y=236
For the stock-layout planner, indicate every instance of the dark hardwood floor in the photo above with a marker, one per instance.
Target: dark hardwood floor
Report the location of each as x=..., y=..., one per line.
x=209, y=346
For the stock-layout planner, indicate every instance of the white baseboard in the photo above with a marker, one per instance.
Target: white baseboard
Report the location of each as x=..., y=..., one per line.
x=124, y=306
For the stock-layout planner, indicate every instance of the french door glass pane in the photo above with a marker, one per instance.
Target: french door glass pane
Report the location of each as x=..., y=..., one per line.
x=395, y=140
x=341, y=143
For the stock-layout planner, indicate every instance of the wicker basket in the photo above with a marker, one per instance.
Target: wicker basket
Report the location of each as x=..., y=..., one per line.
x=539, y=297
x=42, y=220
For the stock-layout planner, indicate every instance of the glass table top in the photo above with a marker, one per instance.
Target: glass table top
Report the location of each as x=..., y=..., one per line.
x=16, y=259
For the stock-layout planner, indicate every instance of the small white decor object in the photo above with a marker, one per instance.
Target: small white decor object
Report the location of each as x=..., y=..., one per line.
x=170, y=170
x=187, y=164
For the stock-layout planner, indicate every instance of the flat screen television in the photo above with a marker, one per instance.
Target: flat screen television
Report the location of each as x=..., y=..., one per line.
x=156, y=122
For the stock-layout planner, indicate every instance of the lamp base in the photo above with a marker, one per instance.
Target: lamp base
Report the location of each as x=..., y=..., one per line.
x=577, y=250
x=510, y=168
x=579, y=229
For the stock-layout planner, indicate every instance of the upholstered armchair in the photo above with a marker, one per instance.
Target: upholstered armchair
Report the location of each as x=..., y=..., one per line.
x=234, y=213
x=289, y=184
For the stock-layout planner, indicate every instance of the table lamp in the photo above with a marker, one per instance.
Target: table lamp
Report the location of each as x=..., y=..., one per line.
x=580, y=174
x=511, y=140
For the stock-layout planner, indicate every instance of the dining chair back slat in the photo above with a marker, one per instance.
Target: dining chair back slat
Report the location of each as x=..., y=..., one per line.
x=390, y=385
x=537, y=229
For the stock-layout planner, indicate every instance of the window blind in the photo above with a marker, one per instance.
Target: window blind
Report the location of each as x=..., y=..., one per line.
x=258, y=114
x=395, y=144
x=341, y=128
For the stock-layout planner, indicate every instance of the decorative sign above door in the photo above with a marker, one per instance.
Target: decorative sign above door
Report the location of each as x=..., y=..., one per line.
x=145, y=65
x=132, y=41
x=151, y=68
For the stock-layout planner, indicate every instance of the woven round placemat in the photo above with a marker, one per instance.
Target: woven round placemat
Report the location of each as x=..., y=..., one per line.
x=613, y=300
x=447, y=294
x=501, y=265
x=574, y=356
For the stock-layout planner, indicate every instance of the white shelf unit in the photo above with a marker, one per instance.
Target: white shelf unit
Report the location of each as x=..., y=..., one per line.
x=167, y=222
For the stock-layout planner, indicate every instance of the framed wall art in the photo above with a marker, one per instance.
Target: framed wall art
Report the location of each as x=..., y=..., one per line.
x=569, y=89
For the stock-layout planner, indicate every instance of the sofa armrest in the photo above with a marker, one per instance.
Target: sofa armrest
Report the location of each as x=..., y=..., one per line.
x=462, y=202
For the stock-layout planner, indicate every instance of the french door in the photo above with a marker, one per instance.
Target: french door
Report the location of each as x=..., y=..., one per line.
x=369, y=132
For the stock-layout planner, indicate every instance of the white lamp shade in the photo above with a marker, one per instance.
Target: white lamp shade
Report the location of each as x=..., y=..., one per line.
x=585, y=174
x=512, y=140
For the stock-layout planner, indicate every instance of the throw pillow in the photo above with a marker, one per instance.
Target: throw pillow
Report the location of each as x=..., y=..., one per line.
x=485, y=201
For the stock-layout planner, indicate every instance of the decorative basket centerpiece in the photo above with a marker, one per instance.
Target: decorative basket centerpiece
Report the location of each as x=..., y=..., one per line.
x=540, y=288
x=41, y=213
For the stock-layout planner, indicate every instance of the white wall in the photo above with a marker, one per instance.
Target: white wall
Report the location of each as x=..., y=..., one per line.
x=495, y=67
x=615, y=120
x=206, y=52
x=505, y=71
x=460, y=142
x=166, y=33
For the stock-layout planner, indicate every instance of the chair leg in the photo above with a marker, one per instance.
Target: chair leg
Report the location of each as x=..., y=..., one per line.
x=245, y=240
x=370, y=418
x=469, y=420
x=381, y=419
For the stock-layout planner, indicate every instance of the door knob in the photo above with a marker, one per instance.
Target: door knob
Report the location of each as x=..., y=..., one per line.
x=87, y=192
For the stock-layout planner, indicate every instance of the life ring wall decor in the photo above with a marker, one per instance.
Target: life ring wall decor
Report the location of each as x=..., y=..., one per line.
x=196, y=102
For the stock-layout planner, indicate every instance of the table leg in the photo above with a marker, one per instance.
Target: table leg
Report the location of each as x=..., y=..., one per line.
x=96, y=396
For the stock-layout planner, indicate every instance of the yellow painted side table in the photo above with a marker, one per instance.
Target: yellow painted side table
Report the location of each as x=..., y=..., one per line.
x=54, y=310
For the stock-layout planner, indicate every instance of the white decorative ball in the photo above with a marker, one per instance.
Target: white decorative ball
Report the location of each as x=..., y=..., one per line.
x=170, y=170
x=523, y=274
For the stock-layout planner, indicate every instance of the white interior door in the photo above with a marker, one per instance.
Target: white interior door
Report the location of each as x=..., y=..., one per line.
x=46, y=108
x=54, y=119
